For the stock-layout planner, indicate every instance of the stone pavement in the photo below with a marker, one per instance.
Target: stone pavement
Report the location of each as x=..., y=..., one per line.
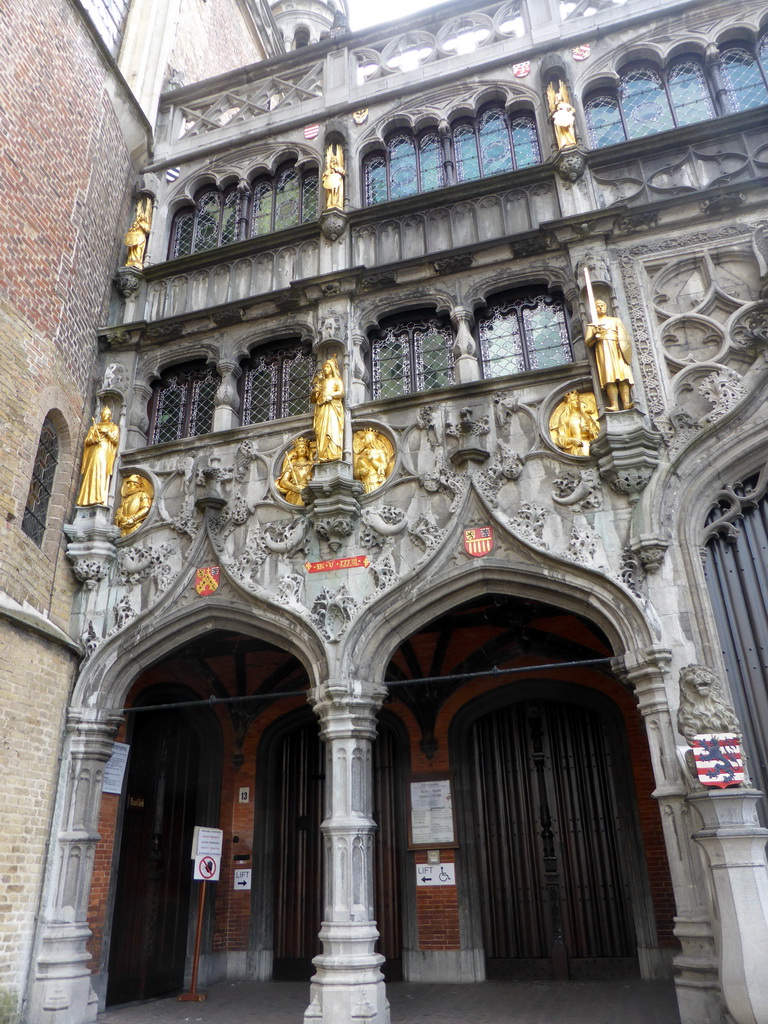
x=281, y=1002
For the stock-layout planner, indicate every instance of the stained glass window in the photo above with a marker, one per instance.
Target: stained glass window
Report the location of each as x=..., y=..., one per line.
x=411, y=353
x=409, y=165
x=217, y=218
x=744, y=78
x=403, y=171
x=645, y=103
x=493, y=144
x=604, y=123
x=276, y=382
x=183, y=402
x=41, y=485
x=520, y=332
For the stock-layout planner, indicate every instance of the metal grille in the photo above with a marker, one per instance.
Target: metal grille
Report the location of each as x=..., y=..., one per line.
x=528, y=333
x=465, y=146
x=261, y=223
x=230, y=217
x=207, y=223
x=402, y=167
x=431, y=170
x=184, y=227
x=297, y=382
x=645, y=104
x=260, y=392
x=41, y=485
x=604, y=123
x=413, y=355
x=690, y=96
x=746, y=85
x=184, y=404
x=277, y=384
x=309, y=198
x=287, y=199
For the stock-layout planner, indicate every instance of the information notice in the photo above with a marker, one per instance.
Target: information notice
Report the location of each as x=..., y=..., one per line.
x=114, y=770
x=431, y=813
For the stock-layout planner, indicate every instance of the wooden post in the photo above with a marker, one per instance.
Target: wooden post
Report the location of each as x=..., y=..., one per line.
x=193, y=996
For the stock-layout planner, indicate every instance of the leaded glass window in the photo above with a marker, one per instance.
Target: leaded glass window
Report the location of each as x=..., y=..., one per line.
x=276, y=382
x=494, y=143
x=688, y=91
x=408, y=166
x=288, y=199
x=411, y=353
x=212, y=222
x=644, y=103
x=41, y=485
x=744, y=77
x=523, y=332
x=183, y=402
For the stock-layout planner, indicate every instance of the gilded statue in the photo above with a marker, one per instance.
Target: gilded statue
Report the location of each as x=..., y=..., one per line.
x=136, y=238
x=333, y=177
x=573, y=424
x=137, y=493
x=373, y=458
x=98, y=459
x=296, y=471
x=562, y=114
x=608, y=336
x=326, y=396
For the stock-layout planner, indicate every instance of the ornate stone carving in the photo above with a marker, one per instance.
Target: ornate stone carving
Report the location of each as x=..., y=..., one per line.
x=444, y=479
x=128, y=281
x=333, y=224
x=627, y=453
x=90, y=571
x=723, y=203
x=115, y=380
x=628, y=223
x=124, y=612
x=570, y=165
x=334, y=530
x=578, y=489
x=583, y=545
x=139, y=563
x=89, y=639
x=289, y=590
x=704, y=708
x=425, y=533
x=505, y=465
x=752, y=329
x=529, y=522
x=468, y=432
x=332, y=613
x=650, y=552
x=724, y=390
x=451, y=264
x=427, y=422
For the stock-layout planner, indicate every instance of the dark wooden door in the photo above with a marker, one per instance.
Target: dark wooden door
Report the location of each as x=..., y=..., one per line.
x=299, y=780
x=554, y=899
x=151, y=917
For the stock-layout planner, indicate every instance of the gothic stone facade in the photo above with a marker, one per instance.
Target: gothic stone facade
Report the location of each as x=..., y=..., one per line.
x=449, y=285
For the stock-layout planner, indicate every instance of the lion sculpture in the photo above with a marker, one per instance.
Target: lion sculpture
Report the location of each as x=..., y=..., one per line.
x=703, y=706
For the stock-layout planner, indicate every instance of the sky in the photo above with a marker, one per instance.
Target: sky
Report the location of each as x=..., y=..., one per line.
x=363, y=13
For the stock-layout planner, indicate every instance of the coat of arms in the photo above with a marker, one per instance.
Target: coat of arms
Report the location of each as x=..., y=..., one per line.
x=207, y=580
x=719, y=761
x=521, y=70
x=478, y=541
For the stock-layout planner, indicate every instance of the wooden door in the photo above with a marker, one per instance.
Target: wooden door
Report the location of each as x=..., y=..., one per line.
x=151, y=918
x=555, y=902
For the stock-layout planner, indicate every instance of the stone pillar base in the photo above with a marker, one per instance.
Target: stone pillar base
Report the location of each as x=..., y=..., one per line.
x=341, y=993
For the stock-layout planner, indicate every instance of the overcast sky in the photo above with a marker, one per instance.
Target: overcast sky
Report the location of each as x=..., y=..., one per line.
x=363, y=13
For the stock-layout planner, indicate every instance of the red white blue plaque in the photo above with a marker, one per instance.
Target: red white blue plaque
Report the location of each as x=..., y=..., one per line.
x=719, y=760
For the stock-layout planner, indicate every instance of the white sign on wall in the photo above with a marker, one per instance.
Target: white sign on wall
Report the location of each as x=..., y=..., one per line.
x=430, y=875
x=114, y=770
x=242, y=879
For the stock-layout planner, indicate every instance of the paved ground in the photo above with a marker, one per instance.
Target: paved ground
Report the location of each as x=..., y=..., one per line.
x=620, y=1002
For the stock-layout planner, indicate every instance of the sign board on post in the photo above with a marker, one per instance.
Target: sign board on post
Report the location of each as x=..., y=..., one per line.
x=207, y=840
x=207, y=868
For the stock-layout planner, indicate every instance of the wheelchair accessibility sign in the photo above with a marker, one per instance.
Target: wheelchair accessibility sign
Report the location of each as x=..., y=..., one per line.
x=428, y=876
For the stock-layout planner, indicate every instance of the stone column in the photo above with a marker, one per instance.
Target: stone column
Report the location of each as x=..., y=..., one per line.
x=696, y=978
x=735, y=847
x=227, y=405
x=60, y=989
x=466, y=367
x=348, y=987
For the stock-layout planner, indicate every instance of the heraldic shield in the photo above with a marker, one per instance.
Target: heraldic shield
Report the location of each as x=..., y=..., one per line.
x=478, y=541
x=207, y=580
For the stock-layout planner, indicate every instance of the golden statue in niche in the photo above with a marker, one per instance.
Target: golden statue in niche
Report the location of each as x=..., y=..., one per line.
x=562, y=114
x=608, y=336
x=98, y=459
x=297, y=470
x=573, y=424
x=136, y=238
x=373, y=458
x=333, y=177
x=326, y=396
x=137, y=493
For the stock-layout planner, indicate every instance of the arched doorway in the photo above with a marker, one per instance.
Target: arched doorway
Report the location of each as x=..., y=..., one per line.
x=172, y=785
x=288, y=853
x=553, y=835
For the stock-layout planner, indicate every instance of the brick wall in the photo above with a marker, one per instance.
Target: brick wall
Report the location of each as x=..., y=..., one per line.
x=212, y=39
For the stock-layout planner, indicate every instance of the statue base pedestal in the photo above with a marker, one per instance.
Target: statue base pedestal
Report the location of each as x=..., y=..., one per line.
x=627, y=451
x=332, y=498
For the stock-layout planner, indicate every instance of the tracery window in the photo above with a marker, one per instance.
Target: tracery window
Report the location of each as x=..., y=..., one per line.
x=409, y=165
x=410, y=353
x=41, y=485
x=276, y=382
x=523, y=331
x=495, y=142
x=183, y=402
x=648, y=102
x=219, y=218
x=745, y=71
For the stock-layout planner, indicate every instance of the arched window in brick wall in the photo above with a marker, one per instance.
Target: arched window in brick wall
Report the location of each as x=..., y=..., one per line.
x=275, y=382
x=183, y=402
x=649, y=101
x=522, y=330
x=411, y=352
x=270, y=203
x=41, y=485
